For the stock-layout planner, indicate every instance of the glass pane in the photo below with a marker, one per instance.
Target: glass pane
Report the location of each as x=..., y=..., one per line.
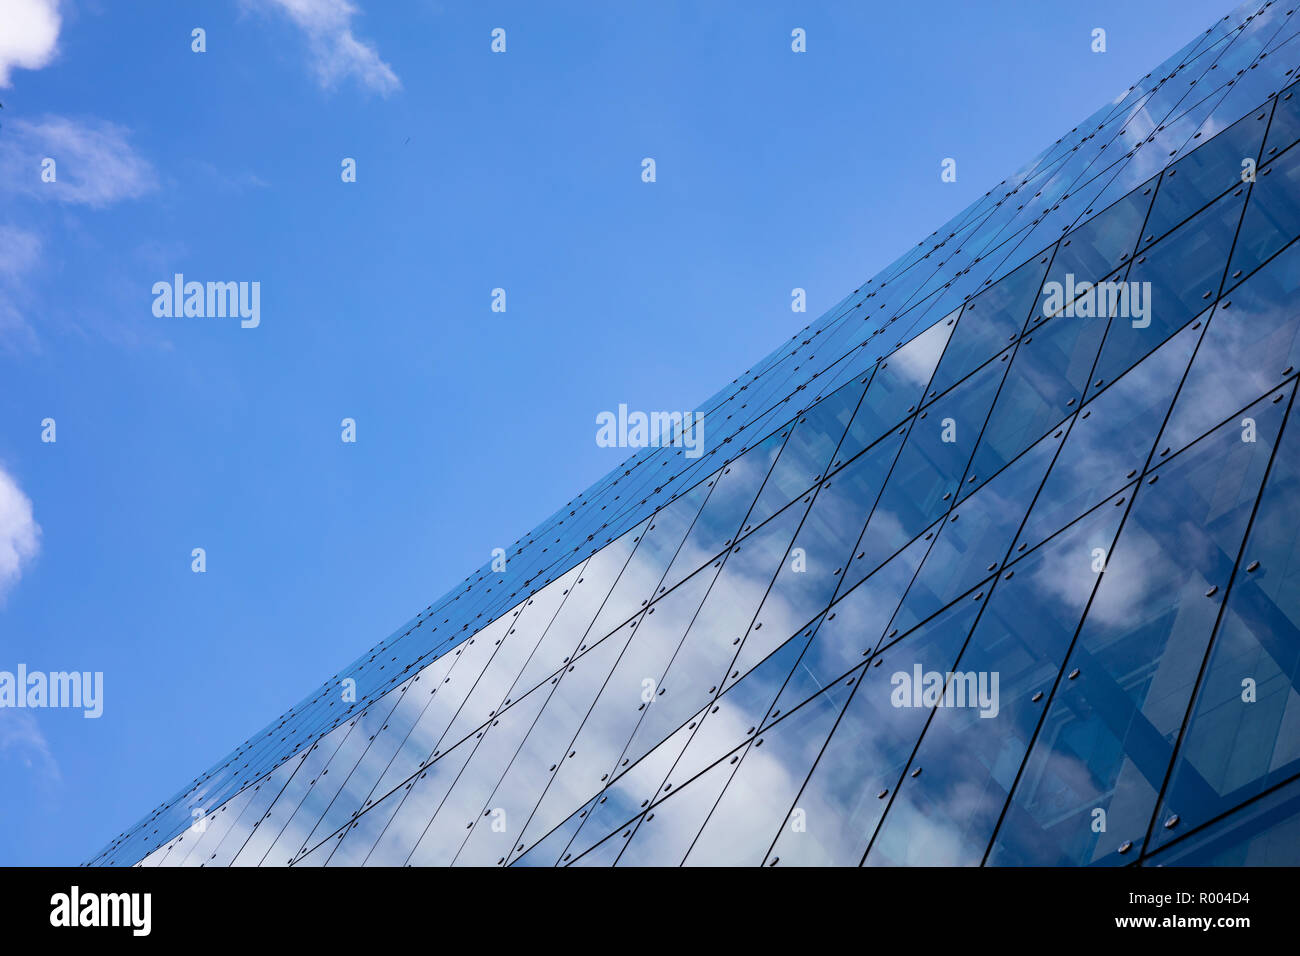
x=607, y=852
x=1205, y=173
x=346, y=794
x=759, y=796
x=1045, y=384
x=467, y=799
x=844, y=797
x=815, y=563
x=990, y=320
x=1244, y=733
x=629, y=794
x=400, y=820
x=567, y=628
x=657, y=545
x=738, y=714
x=510, y=642
x=853, y=627
x=1251, y=345
x=1177, y=277
x=1272, y=217
x=704, y=659
x=498, y=834
x=300, y=805
x=667, y=831
x=970, y=754
x=1102, y=244
x=976, y=539
x=264, y=794
x=1285, y=126
x=217, y=825
x=1110, y=439
x=1106, y=742
x=807, y=452
x=547, y=851
x=1264, y=833
x=929, y=469
x=619, y=708
x=896, y=388
x=420, y=740
x=353, y=843
x=720, y=519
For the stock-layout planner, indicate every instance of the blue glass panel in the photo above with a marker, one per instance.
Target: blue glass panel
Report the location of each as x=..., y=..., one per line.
x=929, y=469
x=1272, y=216
x=664, y=835
x=719, y=521
x=988, y=322
x=976, y=539
x=1263, y=833
x=1103, y=243
x=548, y=850
x=1241, y=739
x=628, y=796
x=844, y=797
x=807, y=452
x=495, y=747
x=499, y=833
x=1111, y=438
x=1251, y=345
x=705, y=655
x=1090, y=783
x=1285, y=127
x=1202, y=175
x=739, y=713
x=1045, y=383
x=896, y=389
x=820, y=553
x=853, y=626
x=769, y=775
x=1176, y=279
x=620, y=705
x=970, y=754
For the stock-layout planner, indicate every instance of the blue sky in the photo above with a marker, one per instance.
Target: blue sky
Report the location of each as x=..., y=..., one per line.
x=475, y=171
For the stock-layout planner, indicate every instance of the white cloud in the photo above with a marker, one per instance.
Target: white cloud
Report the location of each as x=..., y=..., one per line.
x=335, y=50
x=19, y=532
x=94, y=163
x=30, y=35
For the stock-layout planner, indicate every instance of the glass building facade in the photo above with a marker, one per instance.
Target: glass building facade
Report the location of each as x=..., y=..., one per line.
x=994, y=563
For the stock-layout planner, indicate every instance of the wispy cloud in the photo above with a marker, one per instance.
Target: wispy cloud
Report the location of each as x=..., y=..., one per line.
x=30, y=35
x=21, y=737
x=20, y=252
x=234, y=182
x=335, y=50
x=95, y=164
x=19, y=533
